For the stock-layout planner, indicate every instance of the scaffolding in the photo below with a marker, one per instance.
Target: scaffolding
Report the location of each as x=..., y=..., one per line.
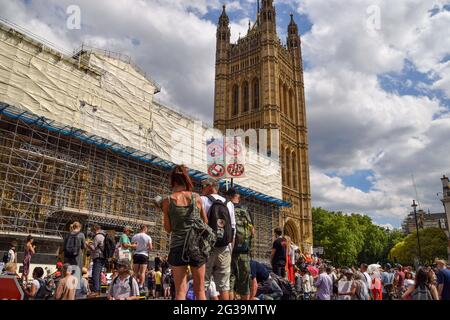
x=48, y=180
x=82, y=138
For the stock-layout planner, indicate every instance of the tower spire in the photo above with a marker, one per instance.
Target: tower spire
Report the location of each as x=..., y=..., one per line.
x=258, y=9
x=224, y=21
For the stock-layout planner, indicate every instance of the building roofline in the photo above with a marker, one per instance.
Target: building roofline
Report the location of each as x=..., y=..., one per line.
x=73, y=56
x=102, y=143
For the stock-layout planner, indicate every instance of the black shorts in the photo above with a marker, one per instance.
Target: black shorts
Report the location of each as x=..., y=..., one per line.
x=140, y=259
x=175, y=259
x=159, y=288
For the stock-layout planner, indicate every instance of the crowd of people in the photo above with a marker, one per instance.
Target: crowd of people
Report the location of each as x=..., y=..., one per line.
x=210, y=258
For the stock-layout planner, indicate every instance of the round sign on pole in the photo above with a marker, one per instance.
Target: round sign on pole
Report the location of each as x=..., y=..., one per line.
x=10, y=288
x=215, y=150
x=236, y=170
x=216, y=170
x=234, y=149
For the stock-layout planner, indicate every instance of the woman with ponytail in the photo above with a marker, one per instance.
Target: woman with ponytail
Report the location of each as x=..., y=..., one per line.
x=177, y=208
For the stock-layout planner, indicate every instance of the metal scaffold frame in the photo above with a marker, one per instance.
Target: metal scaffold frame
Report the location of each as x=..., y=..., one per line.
x=49, y=179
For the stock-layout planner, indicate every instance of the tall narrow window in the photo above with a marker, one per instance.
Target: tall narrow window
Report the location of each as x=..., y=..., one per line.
x=235, y=100
x=286, y=101
x=256, y=94
x=291, y=105
x=294, y=171
x=287, y=168
x=281, y=98
x=245, y=96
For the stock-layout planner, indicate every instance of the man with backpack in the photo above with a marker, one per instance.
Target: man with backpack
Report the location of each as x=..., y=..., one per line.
x=102, y=249
x=240, y=260
x=38, y=289
x=263, y=284
x=143, y=244
x=74, y=244
x=124, y=286
x=387, y=279
x=222, y=221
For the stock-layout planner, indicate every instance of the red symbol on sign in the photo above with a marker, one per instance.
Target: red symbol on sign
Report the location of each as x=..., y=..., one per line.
x=215, y=150
x=216, y=170
x=236, y=169
x=234, y=149
x=11, y=289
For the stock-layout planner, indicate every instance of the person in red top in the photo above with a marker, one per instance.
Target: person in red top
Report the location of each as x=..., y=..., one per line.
x=308, y=258
x=289, y=262
x=376, y=287
x=400, y=281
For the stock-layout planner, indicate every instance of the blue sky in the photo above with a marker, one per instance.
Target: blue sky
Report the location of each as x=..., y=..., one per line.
x=377, y=81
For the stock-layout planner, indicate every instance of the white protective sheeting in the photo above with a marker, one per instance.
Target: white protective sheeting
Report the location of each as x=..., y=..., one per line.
x=107, y=97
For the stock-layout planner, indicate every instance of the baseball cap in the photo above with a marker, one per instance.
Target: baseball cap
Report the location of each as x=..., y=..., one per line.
x=123, y=263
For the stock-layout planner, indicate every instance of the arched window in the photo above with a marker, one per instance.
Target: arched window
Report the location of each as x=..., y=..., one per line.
x=245, y=96
x=235, y=100
x=256, y=94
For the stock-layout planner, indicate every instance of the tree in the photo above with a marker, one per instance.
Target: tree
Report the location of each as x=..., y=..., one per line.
x=352, y=239
x=433, y=243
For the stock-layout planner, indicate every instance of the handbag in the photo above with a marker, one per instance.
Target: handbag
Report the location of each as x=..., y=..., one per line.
x=200, y=239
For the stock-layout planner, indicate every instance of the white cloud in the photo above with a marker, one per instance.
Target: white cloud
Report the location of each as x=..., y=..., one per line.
x=354, y=124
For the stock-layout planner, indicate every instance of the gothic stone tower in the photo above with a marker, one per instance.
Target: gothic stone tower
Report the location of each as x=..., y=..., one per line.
x=259, y=85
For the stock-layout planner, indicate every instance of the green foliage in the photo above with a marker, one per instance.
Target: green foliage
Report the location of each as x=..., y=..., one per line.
x=352, y=239
x=433, y=242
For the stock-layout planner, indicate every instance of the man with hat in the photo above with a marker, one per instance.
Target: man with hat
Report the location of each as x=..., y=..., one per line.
x=219, y=262
x=240, y=260
x=124, y=286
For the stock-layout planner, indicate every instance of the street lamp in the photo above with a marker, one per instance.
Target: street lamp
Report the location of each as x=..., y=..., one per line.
x=414, y=205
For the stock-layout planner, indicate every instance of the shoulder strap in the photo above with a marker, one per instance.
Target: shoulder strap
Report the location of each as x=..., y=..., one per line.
x=113, y=284
x=130, y=279
x=194, y=209
x=211, y=198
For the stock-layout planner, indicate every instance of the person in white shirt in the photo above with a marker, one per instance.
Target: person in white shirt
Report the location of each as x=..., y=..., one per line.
x=219, y=262
x=12, y=256
x=124, y=286
x=363, y=269
x=143, y=244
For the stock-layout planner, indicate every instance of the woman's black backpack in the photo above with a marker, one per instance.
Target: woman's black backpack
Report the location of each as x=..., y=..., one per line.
x=45, y=292
x=220, y=222
x=109, y=246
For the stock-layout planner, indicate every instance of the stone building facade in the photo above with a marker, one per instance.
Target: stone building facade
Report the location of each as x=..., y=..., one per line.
x=259, y=85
